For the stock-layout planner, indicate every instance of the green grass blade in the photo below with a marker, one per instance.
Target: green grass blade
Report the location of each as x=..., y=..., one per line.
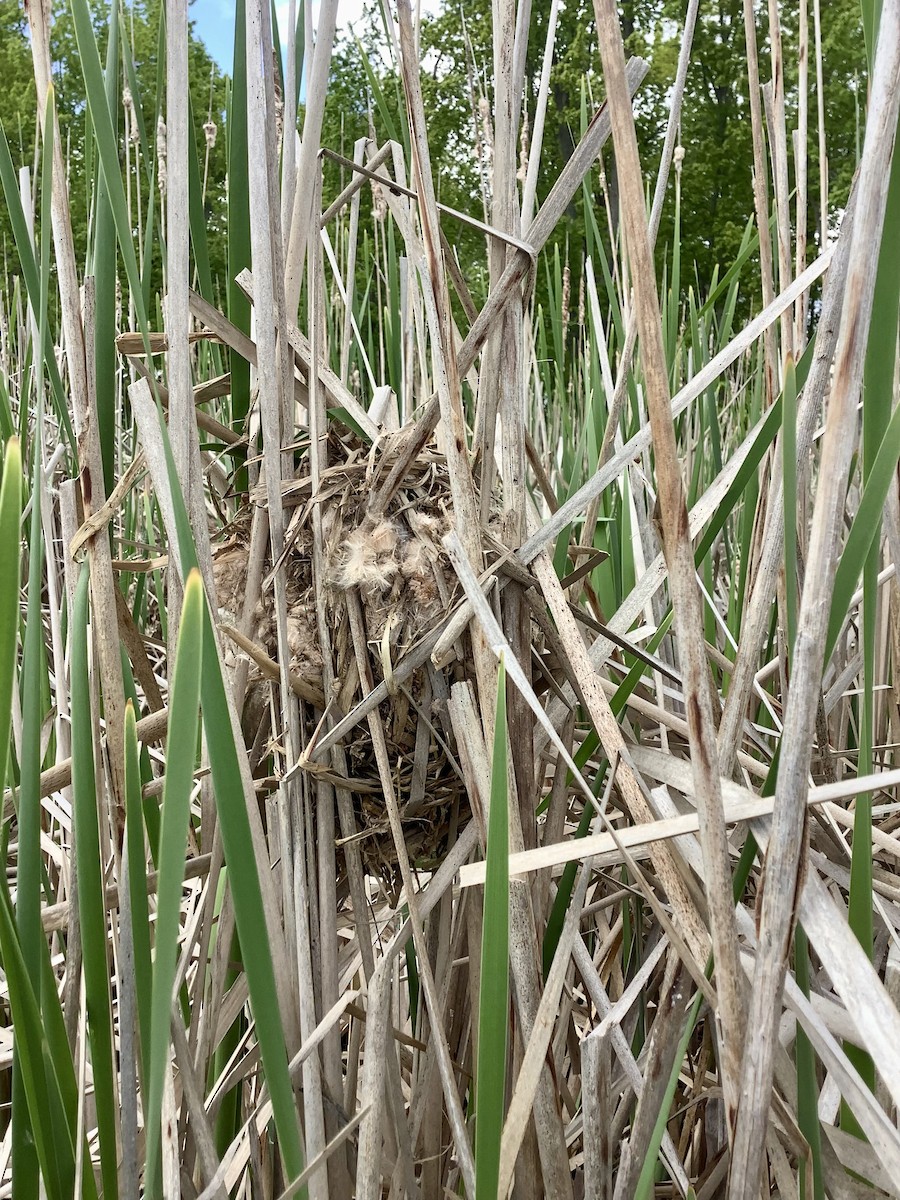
x=28, y=875
x=92, y=892
x=62, y=1067
x=10, y=515
x=644, y=1189
x=136, y=858
x=863, y=530
x=56, y=1158
x=789, y=470
x=23, y=1154
x=238, y=226
x=29, y=268
x=234, y=824
x=493, y=1001
x=618, y=703
x=181, y=756
x=381, y=103
x=108, y=152
x=104, y=263
x=47, y=1075
x=28, y=879
x=27, y=263
x=248, y=906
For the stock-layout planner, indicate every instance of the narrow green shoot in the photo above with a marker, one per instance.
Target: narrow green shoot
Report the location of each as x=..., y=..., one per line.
x=493, y=1001
x=10, y=514
x=644, y=1189
x=136, y=857
x=180, y=762
x=789, y=471
x=91, y=890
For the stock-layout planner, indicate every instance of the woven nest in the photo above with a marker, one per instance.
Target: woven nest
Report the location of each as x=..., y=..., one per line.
x=396, y=564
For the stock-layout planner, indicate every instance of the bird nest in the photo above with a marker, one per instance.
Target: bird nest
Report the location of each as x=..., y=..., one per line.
x=394, y=563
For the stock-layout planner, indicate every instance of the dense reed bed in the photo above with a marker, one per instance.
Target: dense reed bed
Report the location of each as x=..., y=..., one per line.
x=449, y=733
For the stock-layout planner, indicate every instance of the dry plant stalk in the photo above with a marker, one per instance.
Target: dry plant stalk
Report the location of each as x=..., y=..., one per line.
x=786, y=858
x=679, y=552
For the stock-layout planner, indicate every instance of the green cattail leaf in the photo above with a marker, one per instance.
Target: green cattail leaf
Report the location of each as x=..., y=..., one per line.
x=136, y=858
x=234, y=824
x=56, y=1159
x=10, y=515
x=493, y=1001
x=181, y=753
x=789, y=468
x=92, y=890
x=108, y=153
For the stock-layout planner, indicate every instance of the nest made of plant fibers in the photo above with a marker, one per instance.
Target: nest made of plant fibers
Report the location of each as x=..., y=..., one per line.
x=396, y=564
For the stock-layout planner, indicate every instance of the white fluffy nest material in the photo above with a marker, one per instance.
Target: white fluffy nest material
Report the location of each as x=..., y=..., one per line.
x=397, y=564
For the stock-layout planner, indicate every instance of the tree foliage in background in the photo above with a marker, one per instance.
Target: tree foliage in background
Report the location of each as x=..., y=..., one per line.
x=364, y=100
x=18, y=114
x=17, y=102
x=717, y=169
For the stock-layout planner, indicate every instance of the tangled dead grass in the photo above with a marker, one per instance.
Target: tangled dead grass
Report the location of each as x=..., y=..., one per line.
x=396, y=564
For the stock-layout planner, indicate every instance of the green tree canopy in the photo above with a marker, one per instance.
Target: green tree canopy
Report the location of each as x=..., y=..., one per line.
x=141, y=32
x=364, y=99
x=715, y=126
